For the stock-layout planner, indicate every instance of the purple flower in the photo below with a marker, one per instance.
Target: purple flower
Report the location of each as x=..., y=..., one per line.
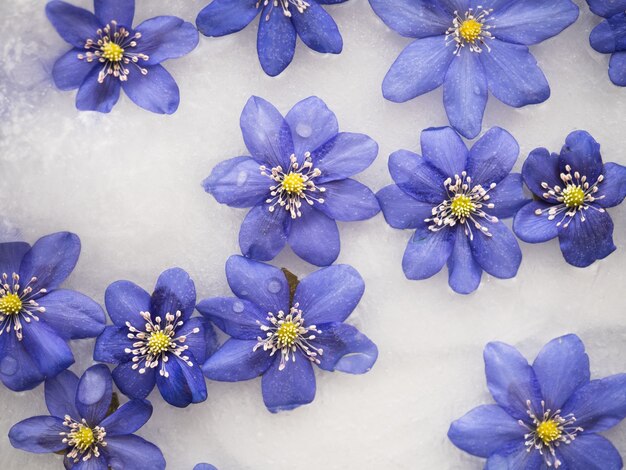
x=280, y=334
x=573, y=191
x=108, y=55
x=548, y=415
x=81, y=427
x=609, y=37
x=297, y=181
x=154, y=340
x=469, y=47
x=280, y=21
x=36, y=317
x=453, y=199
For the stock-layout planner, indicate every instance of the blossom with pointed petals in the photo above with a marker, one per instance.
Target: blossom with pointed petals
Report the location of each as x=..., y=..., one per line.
x=109, y=55
x=573, y=189
x=609, y=37
x=279, y=330
x=37, y=319
x=82, y=427
x=472, y=47
x=280, y=24
x=297, y=181
x=154, y=339
x=547, y=415
x=454, y=199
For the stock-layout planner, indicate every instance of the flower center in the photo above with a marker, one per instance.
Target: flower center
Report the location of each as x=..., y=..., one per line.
x=470, y=30
x=299, y=5
x=85, y=442
x=158, y=342
x=84, y=437
x=18, y=304
x=10, y=304
x=112, y=51
x=548, y=431
x=462, y=206
x=294, y=185
x=286, y=333
x=573, y=196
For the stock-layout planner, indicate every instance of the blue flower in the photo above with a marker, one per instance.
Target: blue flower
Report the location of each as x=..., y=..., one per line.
x=453, y=199
x=297, y=181
x=80, y=426
x=609, y=37
x=154, y=340
x=469, y=47
x=37, y=319
x=548, y=415
x=280, y=21
x=279, y=333
x=108, y=55
x=573, y=191
x=204, y=466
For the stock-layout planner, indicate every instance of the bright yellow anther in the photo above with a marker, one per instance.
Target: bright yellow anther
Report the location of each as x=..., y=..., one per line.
x=462, y=206
x=112, y=51
x=573, y=196
x=84, y=438
x=158, y=342
x=470, y=30
x=10, y=304
x=293, y=183
x=287, y=334
x=548, y=431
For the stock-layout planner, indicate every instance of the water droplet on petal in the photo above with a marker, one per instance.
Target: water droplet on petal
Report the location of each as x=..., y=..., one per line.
x=274, y=286
x=238, y=307
x=8, y=366
x=304, y=130
x=242, y=177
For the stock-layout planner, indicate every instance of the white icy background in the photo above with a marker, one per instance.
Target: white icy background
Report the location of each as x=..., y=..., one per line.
x=129, y=184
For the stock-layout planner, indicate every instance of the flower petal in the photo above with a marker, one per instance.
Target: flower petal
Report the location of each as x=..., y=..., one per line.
x=47, y=349
x=515, y=457
x=95, y=96
x=131, y=383
x=610, y=35
x=238, y=182
x=11, y=255
x=39, y=434
x=289, y=388
x=133, y=453
x=111, y=344
x=607, y=8
x=235, y=317
x=72, y=315
x=617, y=68
x=18, y=371
x=613, y=187
x=499, y=254
x=184, y=384
x=94, y=394
x=329, y=294
x=124, y=301
x=345, y=349
x=201, y=343
x=174, y=292
x=343, y=156
x=444, y=149
x=492, y=157
x=348, y=200
x=318, y=30
x=590, y=452
x=508, y=197
x=464, y=273
x=413, y=18
x=128, y=418
x=156, y=91
x=276, y=41
x=312, y=125
x=165, y=37
x=401, y=210
x=263, y=234
x=427, y=252
x=69, y=72
x=314, y=237
x=416, y=177
x=73, y=24
x=222, y=17
x=236, y=360
x=60, y=393
x=584, y=242
x=582, y=153
x=541, y=167
x=115, y=10
x=533, y=228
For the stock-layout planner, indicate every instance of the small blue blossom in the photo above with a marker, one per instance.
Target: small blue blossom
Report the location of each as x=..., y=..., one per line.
x=204, y=466
x=297, y=181
x=81, y=427
x=154, y=340
x=548, y=415
x=37, y=319
x=609, y=37
x=573, y=191
x=471, y=47
x=279, y=334
x=281, y=22
x=453, y=198
x=109, y=55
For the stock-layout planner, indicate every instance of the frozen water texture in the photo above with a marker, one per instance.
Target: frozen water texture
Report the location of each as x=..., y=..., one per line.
x=129, y=184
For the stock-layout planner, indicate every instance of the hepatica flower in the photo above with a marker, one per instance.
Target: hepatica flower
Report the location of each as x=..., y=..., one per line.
x=108, y=55
x=297, y=181
x=470, y=47
x=281, y=22
x=280, y=334
x=154, y=340
x=454, y=199
x=573, y=191
x=547, y=415
x=36, y=317
x=81, y=427
x=609, y=36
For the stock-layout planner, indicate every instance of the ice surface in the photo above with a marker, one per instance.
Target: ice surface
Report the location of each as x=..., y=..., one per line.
x=129, y=184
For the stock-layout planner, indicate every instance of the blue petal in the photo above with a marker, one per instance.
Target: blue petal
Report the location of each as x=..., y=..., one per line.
x=613, y=187
x=329, y=294
x=156, y=91
x=204, y=466
x=39, y=434
x=95, y=96
x=492, y=157
x=617, y=68
x=111, y=344
x=238, y=182
x=201, y=343
x=599, y=405
x=444, y=149
x=72, y=315
x=610, y=35
x=533, y=228
x=184, y=385
x=128, y=418
x=318, y=30
x=60, y=393
x=289, y=388
x=499, y=254
x=94, y=463
x=533, y=21
x=413, y=18
x=73, y=24
x=47, y=349
x=235, y=317
x=516, y=457
x=417, y=178
x=69, y=72
x=427, y=252
x=263, y=234
x=237, y=360
x=124, y=301
x=312, y=125
x=508, y=197
x=94, y=394
x=561, y=368
x=401, y=210
x=174, y=292
x=222, y=17
x=582, y=153
x=343, y=156
x=121, y=11
x=584, y=242
x=133, y=453
x=266, y=133
x=11, y=255
x=513, y=75
x=485, y=430
x=465, y=94
x=511, y=380
x=314, y=237
x=276, y=40
x=421, y=67
x=259, y=283
x=590, y=452
x=452, y=6
x=131, y=383
x=541, y=167
x=345, y=349
x=348, y=200
x=607, y=8
x=18, y=372
x=464, y=273
x=51, y=260
x=165, y=37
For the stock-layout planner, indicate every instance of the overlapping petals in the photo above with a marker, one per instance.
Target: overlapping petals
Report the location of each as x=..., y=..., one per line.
x=609, y=37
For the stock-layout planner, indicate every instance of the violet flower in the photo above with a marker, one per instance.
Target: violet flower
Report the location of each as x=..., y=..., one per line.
x=609, y=37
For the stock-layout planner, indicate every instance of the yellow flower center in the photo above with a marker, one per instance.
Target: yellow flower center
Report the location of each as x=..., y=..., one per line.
x=287, y=334
x=84, y=438
x=10, y=304
x=573, y=196
x=293, y=183
x=548, y=431
x=158, y=342
x=462, y=206
x=112, y=51
x=470, y=30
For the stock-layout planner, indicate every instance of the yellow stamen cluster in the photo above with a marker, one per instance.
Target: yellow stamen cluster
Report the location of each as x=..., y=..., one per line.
x=293, y=183
x=462, y=206
x=158, y=342
x=10, y=304
x=112, y=51
x=84, y=438
x=470, y=30
x=548, y=431
x=573, y=196
x=287, y=334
